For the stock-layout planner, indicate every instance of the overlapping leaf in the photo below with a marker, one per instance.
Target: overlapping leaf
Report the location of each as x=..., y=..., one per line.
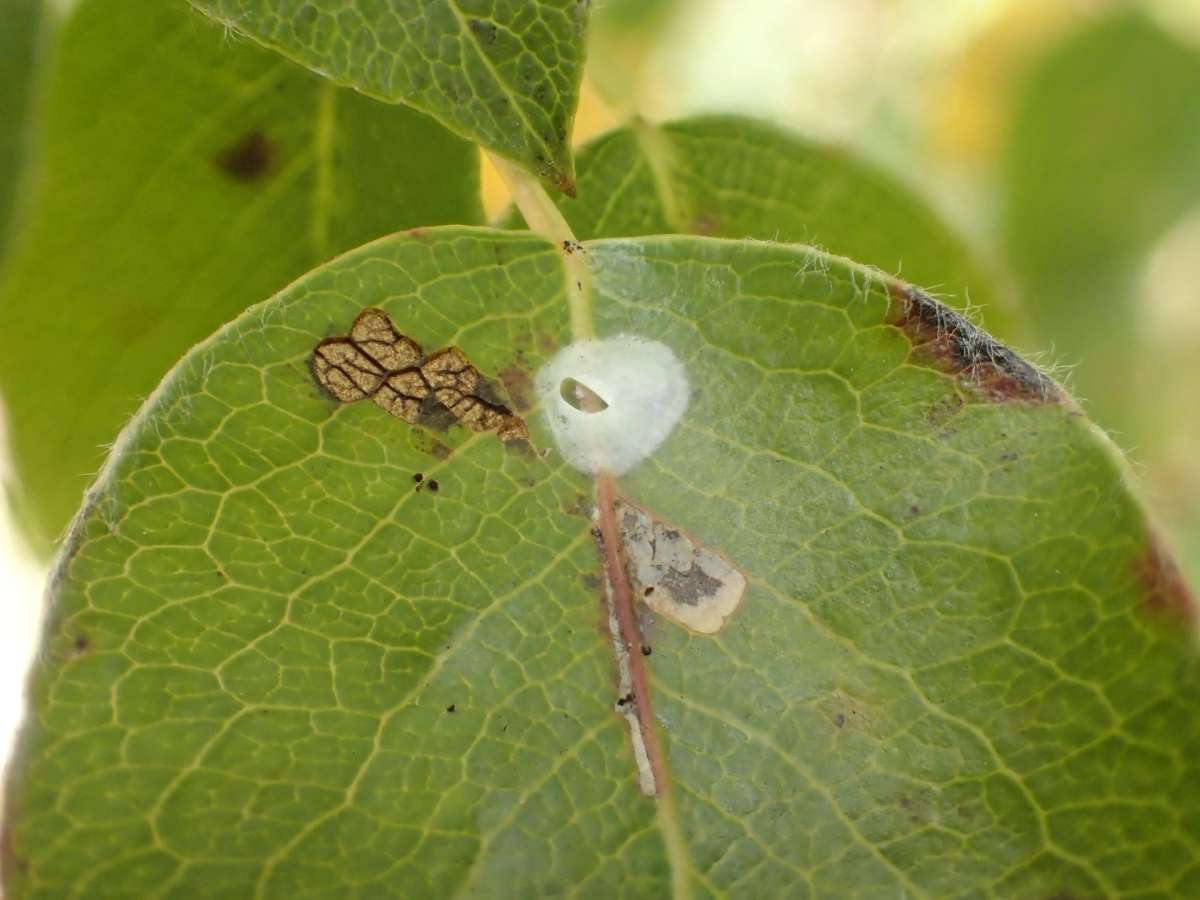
x=184, y=176
x=275, y=667
x=504, y=73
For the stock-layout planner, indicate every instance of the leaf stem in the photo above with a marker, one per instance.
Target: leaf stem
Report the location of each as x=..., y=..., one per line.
x=544, y=218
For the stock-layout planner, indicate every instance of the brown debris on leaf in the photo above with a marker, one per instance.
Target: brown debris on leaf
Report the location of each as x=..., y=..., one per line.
x=676, y=576
x=379, y=362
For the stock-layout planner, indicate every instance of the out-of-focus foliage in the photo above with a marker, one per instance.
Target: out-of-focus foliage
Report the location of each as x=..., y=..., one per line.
x=21, y=23
x=1102, y=156
x=171, y=195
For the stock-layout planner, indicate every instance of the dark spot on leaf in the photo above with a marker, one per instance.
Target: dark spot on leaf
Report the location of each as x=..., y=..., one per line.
x=1164, y=590
x=418, y=477
x=248, y=159
x=839, y=720
x=647, y=649
x=433, y=485
x=483, y=31
x=905, y=801
x=625, y=701
x=956, y=346
x=578, y=506
x=590, y=580
x=450, y=708
x=648, y=591
x=915, y=510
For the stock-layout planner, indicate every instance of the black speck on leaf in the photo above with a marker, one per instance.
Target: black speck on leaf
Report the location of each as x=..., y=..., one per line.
x=450, y=708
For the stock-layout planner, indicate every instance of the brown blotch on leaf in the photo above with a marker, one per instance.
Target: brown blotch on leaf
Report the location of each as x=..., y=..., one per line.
x=1164, y=590
x=247, y=159
x=377, y=361
x=969, y=353
x=518, y=384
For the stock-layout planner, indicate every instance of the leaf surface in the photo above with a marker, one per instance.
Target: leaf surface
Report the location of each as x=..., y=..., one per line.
x=503, y=73
x=277, y=665
x=738, y=177
x=183, y=177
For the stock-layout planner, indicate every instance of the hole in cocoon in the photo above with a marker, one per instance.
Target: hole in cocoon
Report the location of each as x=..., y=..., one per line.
x=610, y=403
x=582, y=397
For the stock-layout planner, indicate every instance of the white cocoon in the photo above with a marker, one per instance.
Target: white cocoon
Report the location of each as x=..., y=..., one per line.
x=642, y=382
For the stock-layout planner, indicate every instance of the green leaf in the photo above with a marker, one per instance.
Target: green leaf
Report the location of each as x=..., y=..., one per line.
x=1101, y=160
x=20, y=41
x=278, y=665
x=184, y=177
x=503, y=73
x=736, y=177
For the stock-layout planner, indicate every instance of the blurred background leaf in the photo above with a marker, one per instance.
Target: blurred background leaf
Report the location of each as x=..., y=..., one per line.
x=1102, y=155
x=184, y=175
x=504, y=73
x=20, y=40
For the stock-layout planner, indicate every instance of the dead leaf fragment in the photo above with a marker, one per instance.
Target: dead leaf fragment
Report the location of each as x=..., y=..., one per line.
x=676, y=576
x=377, y=361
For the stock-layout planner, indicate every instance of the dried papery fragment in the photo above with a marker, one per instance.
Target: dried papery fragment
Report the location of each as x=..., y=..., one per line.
x=374, y=332
x=344, y=370
x=675, y=575
x=378, y=361
x=402, y=394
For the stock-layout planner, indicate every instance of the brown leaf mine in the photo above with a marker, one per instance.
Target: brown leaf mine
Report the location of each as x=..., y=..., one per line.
x=379, y=362
x=674, y=575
